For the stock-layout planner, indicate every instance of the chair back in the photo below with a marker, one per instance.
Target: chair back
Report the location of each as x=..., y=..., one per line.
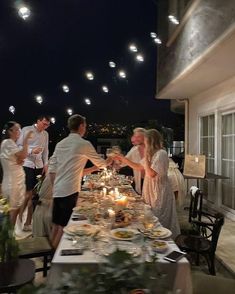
x=195, y=207
x=218, y=223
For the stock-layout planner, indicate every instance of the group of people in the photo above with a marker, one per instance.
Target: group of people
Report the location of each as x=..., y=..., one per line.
x=24, y=155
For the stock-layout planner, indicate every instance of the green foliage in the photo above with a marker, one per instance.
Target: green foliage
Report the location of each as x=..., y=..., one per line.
x=8, y=244
x=119, y=275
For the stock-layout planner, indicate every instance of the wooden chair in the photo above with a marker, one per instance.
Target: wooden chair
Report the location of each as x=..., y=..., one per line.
x=36, y=247
x=205, y=243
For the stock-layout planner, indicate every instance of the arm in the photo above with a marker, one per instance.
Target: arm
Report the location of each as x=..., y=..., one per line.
x=22, y=154
x=89, y=170
x=45, y=153
x=93, y=156
x=128, y=162
x=148, y=170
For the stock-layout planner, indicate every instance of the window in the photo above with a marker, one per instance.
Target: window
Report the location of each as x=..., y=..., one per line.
x=228, y=160
x=207, y=147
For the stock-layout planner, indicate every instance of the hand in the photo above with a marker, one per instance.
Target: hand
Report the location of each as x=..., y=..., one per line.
x=119, y=157
x=45, y=169
x=37, y=150
x=109, y=161
x=29, y=135
x=19, y=161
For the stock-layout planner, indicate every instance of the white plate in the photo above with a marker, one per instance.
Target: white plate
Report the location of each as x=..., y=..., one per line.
x=158, y=247
x=80, y=229
x=158, y=233
x=133, y=233
x=130, y=248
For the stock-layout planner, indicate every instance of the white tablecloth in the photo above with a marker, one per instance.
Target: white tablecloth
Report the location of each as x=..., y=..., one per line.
x=179, y=273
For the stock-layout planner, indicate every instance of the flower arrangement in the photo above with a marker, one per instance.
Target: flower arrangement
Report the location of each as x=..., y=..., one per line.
x=121, y=274
x=8, y=244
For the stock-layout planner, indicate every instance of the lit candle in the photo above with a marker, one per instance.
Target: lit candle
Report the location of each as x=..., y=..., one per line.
x=104, y=191
x=121, y=201
x=111, y=213
x=116, y=192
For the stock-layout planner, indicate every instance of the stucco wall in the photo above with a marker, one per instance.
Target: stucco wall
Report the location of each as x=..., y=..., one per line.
x=216, y=100
x=209, y=21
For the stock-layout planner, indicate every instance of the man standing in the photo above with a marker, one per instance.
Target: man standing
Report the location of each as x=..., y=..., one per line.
x=136, y=154
x=66, y=170
x=36, y=162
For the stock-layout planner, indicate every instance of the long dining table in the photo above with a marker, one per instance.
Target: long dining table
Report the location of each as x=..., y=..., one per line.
x=178, y=274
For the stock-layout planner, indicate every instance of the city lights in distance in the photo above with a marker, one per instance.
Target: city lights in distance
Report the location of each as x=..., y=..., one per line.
x=157, y=41
x=12, y=109
x=53, y=120
x=69, y=111
x=112, y=64
x=90, y=75
x=139, y=58
x=65, y=88
x=87, y=101
x=173, y=19
x=24, y=12
x=153, y=35
x=122, y=74
x=39, y=99
x=133, y=48
x=105, y=89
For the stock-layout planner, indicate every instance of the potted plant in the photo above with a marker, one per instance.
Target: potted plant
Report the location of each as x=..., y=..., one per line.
x=8, y=244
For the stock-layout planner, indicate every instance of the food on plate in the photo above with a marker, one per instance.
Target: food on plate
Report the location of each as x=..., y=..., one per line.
x=162, y=245
x=124, y=234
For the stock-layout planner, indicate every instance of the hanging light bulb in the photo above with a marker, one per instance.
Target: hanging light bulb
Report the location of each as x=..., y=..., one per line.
x=53, y=120
x=139, y=58
x=24, y=12
x=133, y=48
x=69, y=111
x=112, y=64
x=153, y=35
x=39, y=99
x=157, y=41
x=87, y=101
x=89, y=75
x=105, y=89
x=12, y=109
x=173, y=19
x=122, y=74
x=65, y=88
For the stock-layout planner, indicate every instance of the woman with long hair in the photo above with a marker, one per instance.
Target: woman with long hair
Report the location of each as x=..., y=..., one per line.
x=13, y=183
x=157, y=190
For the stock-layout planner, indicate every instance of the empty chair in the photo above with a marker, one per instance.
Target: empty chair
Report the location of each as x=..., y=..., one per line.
x=36, y=247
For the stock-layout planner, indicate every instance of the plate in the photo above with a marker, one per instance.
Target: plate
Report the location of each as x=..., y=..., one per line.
x=159, y=245
x=130, y=248
x=80, y=229
x=160, y=233
x=123, y=234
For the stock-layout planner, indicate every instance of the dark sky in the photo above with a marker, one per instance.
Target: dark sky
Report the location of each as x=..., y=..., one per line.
x=64, y=38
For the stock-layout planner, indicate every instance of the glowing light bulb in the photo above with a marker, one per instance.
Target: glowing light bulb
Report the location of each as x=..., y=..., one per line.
x=87, y=101
x=157, y=41
x=139, y=58
x=153, y=35
x=53, y=120
x=39, y=99
x=65, y=88
x=89, y=75
x=112, y=64
x=133, y=48
x=69, y=111
x=24, y=12
x=122, y=74
x=105, y=89
x=12, y=109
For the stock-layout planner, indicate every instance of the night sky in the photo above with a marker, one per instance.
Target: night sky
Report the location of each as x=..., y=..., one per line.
x=64, y=38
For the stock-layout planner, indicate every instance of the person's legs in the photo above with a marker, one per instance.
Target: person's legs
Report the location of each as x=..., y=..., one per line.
x=13, y=215
x=57, y=234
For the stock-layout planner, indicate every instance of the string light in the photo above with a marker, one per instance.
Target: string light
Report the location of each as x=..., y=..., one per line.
x=87, y=101
x=53, y=120
x=153, y=35
x=105, y=89
x=65, y=88
x=173, y=19
x=39, y=99
x=157, y=41
x=112, y=64
x=69, y=111
x=89, y=75
x=12, y=109
x=122, y=74
x=133, y=48
x=24, y=12
x=139, y=58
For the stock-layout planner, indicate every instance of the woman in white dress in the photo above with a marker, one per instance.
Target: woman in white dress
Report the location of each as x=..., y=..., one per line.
x=13, y=183
x=157, y=190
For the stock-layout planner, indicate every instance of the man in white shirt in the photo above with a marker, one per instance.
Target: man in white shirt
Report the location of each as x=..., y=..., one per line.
x=136, y=154
x=35, y=163
x=66, y=171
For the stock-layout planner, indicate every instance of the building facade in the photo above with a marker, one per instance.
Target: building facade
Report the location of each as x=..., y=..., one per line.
x=196, y=69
